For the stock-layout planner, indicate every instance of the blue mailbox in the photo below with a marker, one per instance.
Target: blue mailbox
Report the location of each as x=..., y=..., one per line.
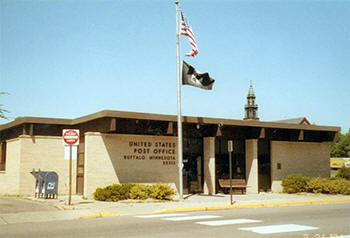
x=46, y=184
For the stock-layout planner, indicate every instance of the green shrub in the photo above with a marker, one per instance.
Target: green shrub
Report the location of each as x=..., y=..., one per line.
x=340, y=186
x=117, y=192
x=113, y=193
x=161, y=192
x=140, y=191
x=102, y=194
x=330, y=186
x=317, y=185
x=343, y=173
x=125, y=189
x=294, y=183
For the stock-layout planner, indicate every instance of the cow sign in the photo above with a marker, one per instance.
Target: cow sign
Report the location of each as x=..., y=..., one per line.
x=71, y=137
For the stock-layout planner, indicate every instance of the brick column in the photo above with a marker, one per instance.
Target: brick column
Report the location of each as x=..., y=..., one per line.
x=251, y=165
x=209, y=165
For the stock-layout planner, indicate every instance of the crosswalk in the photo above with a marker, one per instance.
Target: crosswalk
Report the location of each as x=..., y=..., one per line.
x=227, y=222
x=214, y=221
x=188, y=218
x=278, y=228
x=162, y=215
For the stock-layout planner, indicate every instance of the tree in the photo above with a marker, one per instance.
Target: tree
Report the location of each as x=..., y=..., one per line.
x=2, y=110
x=341, y=147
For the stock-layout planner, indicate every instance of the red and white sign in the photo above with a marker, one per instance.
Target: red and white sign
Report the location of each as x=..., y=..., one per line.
x=71, y=137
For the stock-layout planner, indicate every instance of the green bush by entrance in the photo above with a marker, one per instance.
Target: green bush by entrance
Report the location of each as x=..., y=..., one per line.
x=117, y=192
x=297, y=183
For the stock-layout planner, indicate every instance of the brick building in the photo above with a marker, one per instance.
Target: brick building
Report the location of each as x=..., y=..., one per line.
x=128, y=147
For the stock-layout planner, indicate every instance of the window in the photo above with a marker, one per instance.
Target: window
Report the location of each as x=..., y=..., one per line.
x=2, y=155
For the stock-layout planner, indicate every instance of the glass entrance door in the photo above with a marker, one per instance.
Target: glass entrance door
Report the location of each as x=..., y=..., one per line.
x=192, y=173
x=193, y=165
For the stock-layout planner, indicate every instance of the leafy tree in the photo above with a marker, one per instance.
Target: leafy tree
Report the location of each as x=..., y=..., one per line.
x=2, y=110
x=341, y=147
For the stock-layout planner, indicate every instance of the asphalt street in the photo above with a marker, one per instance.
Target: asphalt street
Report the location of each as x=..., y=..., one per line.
x=308, y=221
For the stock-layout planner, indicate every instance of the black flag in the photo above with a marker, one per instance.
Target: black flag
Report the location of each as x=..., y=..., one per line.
x=191, y=76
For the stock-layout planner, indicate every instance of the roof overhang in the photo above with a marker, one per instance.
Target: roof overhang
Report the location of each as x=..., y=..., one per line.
x=163, y=117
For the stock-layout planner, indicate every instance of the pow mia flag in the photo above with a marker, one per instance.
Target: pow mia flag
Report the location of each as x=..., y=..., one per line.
x=191, y=76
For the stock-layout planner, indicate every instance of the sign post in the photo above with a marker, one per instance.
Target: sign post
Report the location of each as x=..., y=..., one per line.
x=70, y=137
x=70, y=176
x=230, y=149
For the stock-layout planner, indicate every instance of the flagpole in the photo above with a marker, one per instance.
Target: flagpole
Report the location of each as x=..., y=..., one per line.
x=179, y=121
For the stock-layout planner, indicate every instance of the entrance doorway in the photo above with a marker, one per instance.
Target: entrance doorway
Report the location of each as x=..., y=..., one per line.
x=193, y=165
x=264, y=166
x=192, y=173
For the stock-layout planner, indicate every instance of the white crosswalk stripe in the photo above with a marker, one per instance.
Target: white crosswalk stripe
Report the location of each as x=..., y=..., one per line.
x=340, y=236
x=278, y=228
x=214, y=220
x=162, y=215
x=227, y=222
x=188, y=218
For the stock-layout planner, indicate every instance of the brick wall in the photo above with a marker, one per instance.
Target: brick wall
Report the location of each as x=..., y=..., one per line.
x=115, y=158
x=47, y=154
x=9, y=179
x=309, y=159
x=26, y=153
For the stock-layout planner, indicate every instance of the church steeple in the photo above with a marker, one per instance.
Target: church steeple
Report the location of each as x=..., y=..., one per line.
x=251, y=109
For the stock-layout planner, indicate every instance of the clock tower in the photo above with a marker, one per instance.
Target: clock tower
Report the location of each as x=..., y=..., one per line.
x=251, y=109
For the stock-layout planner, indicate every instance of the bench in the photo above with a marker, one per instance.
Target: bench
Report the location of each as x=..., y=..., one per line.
x=236, y=184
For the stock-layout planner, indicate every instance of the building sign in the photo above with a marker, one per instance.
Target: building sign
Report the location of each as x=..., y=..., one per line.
x=162, y=151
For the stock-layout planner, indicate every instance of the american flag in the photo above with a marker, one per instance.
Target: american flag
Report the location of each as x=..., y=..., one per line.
x=186, y=30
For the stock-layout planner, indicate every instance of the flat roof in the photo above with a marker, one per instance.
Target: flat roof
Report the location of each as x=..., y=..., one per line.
x=163, y=117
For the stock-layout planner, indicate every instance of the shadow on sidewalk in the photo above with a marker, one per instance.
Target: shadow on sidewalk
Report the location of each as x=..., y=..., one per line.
x=203, y=195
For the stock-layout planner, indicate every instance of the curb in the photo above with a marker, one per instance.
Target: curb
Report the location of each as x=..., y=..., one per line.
x=250, y=205
x=99, y=214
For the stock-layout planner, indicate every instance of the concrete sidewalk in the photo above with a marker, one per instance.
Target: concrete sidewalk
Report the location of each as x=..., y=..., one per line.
x=81, y=208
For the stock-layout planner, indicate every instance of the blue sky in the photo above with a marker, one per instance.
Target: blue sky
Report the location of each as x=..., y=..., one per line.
x=70, y=58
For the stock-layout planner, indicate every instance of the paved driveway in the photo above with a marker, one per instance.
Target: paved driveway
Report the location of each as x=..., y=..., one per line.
x=15, y=205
